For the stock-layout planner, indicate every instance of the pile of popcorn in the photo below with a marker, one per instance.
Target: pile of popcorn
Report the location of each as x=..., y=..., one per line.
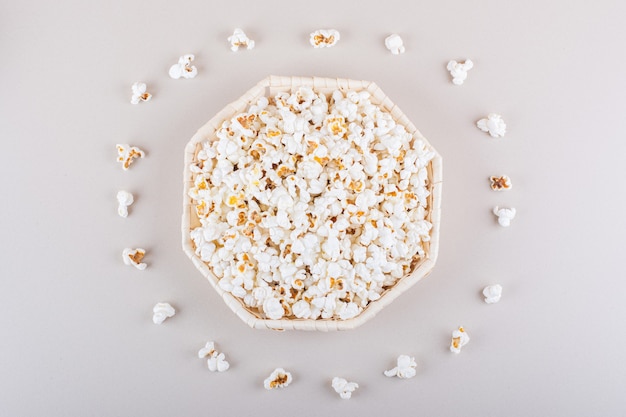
x=310, y=205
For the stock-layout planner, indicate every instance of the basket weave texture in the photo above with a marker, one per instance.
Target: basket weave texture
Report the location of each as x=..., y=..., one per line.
x=270, y=86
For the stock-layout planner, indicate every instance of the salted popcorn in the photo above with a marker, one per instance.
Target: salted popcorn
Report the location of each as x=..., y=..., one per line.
x=239, y=40
x=505, y=215
x=127, y=154
x=162, y=311
x=458, y=70
x=184, y=68
x=394, y=43
x=500, y=183
x=493, y=124
x=459, y=339
x=405, y=368
x=343, y=387
x=492, y=293
x=124, y=199
x=279, y=378
x=133, y=257
x=311, y=206
x=324, y=38
x=139, y=93
x=216, y=361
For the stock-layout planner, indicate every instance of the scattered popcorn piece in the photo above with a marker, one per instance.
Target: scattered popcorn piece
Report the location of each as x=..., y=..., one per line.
x=124, y=199
x=459, y=339
x=405, y=368
x=127, y=154
x=139, y=93
x=505, y=215
x=239, y=40
x=343, y=387
x=324, y=38
x=458, y=70
x=500, y=183
x=493, y=124
x=184, y=68
x=394, y=43
x=134, y=257
x=279, y=378
x=161, y=312
x=492, y=293
x=216, y=361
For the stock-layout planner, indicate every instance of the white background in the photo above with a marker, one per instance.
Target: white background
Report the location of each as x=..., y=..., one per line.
x=77, y=336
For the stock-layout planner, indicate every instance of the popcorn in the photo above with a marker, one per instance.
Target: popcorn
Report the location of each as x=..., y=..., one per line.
x=184, y=68
x=458, y=70
x=124, y=199
x=500, y=183
x=324, y=38
x=405, y=368
x=343, y=387
x=216, y=361
x=239, y=39
x=134, y=257
x=127, y=154
x=492, y=293
x=493, y=124
x=505, y=215
x=279, y=378
x=161, y=312
x=459, y=339
x=394, y=43
x=139, y=93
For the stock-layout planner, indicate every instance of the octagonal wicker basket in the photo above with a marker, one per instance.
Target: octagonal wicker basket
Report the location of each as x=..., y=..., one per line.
x=269, y=87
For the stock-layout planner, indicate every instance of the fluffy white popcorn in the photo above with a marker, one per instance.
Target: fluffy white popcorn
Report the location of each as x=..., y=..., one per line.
x=162, y=311
x=493, y=124
x=505, y=215
x=492, y=293
x=323, y=38
x=279, y=378
x=395, y=44
x=124, y=200
x=239, y=40
x=404, y=369
x=459, y=339
x=139, y=93
x=343, y=387
x=134, y=257
x=216, y=361
x=127, y=154
x=458, y=70
x=184, y=69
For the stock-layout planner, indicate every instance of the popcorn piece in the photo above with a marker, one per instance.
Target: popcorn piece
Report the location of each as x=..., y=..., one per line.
x=458, y=70
x=184, y=68
x=124, y=199
x=139, y=93
x=239, y=39
x=324, y=38
x=279, y=378
x=459, y=339
x=493, y=124
x=343, y=387
x=492, y=293
x=161, y=312
x=216, y=361
x=127, y=154
x=394, y=43
x=500, y=183
x=405, y=368
x=134, y=257
x=505, y=215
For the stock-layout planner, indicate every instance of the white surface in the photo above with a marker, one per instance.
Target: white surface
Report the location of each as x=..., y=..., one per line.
x=552, y=346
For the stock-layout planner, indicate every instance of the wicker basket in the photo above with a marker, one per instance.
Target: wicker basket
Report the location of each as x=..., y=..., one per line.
x=269, y=87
